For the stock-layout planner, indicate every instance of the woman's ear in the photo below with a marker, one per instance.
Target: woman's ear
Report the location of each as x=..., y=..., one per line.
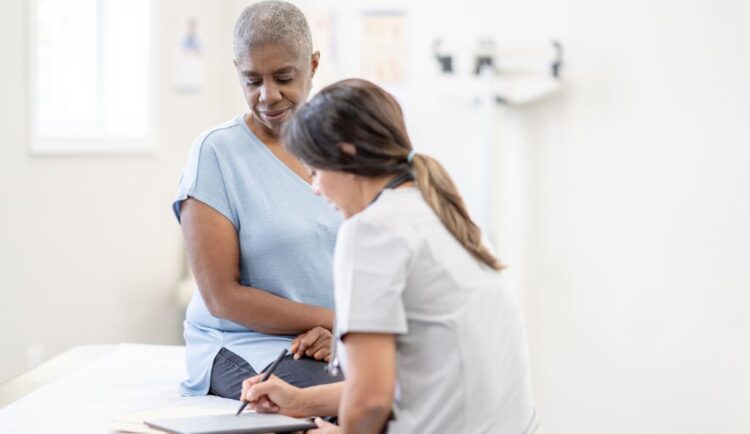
x=314, y=62
x=348, y=148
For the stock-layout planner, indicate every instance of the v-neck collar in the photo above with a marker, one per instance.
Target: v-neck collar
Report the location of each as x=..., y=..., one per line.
x=271, y=156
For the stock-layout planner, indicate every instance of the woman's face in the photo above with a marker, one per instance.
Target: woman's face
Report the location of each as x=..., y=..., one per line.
x=340, y=189
x=275, y=80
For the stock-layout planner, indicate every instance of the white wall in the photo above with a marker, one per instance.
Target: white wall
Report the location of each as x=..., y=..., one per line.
x=637, y=287
x=89, y=249
x=636, y=283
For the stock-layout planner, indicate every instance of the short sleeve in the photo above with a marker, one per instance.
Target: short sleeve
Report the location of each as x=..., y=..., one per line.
x=202, y=179
x=371, y=266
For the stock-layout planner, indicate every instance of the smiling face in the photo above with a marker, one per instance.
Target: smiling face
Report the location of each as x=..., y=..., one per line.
x=275, y=80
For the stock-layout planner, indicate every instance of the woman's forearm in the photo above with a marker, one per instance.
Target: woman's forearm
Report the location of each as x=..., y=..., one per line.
x=268, y=313
x=371, y=379
x=362, y=414
x=321, y=400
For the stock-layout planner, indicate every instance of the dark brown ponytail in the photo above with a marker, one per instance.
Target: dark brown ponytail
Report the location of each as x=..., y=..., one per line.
x=361, y=113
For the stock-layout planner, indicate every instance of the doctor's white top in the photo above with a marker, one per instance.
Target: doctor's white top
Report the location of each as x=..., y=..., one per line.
x=462, y=364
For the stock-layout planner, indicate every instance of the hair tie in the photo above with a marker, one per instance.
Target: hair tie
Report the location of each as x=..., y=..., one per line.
x=410, y=157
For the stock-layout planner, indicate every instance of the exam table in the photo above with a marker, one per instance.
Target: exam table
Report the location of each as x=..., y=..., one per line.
x=84, y=389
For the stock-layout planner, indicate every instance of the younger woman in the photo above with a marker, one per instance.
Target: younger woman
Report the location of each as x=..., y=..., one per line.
x=430, y=341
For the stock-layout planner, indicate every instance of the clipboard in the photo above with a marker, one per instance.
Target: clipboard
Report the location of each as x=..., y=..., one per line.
x=245, y=423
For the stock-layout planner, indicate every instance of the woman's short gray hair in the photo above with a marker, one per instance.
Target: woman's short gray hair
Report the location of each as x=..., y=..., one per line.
x=275, y=22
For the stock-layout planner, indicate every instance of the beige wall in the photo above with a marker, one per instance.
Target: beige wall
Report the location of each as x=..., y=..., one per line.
x=89, y=249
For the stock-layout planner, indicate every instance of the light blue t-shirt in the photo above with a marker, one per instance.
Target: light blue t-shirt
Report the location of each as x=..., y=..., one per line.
x=286, y=236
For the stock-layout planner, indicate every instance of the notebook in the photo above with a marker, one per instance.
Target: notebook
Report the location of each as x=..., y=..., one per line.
x=245, y=423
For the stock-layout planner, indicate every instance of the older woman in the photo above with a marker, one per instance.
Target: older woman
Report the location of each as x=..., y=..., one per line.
x=259, y=242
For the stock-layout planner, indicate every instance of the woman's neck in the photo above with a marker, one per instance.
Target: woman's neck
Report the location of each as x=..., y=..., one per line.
x=269, y=137
x=371, y=187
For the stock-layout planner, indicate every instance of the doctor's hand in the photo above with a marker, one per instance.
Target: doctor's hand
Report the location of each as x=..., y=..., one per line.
x=315, y=344
x=324, y=427
x=272, y=396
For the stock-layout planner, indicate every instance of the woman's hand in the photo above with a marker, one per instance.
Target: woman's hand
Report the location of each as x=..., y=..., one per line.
x=315, y=344
x=324, y=427
x=272, y=396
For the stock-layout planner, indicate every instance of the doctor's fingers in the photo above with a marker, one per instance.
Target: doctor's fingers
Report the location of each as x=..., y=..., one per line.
x=276, y=390
x=265, y=405
x=323, y=427
x=256, y=391
x=247, y=383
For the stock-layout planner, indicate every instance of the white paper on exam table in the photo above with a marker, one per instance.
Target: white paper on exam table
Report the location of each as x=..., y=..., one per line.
x=129, y=379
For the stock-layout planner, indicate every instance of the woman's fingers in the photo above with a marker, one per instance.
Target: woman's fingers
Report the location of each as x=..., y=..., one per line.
x=254, y=392
x=258, y=395
x=322, y=347
x=320, y=344
x=306, y=341
x=265, y=405
x=323, y=427
x=246, y=384
x=322, y=423
x=315, y=343
x=274, y=396
x=295, y=344
x=322, y=353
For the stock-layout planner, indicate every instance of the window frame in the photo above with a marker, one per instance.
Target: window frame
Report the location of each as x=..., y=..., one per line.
x=69, y=145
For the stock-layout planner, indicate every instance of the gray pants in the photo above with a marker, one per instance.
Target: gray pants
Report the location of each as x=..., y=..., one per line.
x=230, y=370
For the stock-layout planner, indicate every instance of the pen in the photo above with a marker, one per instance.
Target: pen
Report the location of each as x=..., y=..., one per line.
x=264, y=378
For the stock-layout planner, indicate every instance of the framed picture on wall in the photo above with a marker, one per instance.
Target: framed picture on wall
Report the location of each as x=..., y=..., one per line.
x=384, y=42
x=187, y=71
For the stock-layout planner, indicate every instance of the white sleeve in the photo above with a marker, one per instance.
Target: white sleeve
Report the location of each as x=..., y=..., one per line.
x=371, y=264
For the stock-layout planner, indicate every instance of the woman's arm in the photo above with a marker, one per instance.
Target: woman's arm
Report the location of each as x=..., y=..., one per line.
x=214, y=255
x=367, y=398
x=363, y=401
x=276, y=396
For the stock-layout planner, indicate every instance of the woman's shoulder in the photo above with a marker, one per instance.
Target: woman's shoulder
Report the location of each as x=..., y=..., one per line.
x=398, y=209
x=215, y=149
x=223, y=136
x=396, y=214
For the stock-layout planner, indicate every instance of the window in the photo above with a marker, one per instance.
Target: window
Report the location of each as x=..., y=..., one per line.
x=91, y=76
